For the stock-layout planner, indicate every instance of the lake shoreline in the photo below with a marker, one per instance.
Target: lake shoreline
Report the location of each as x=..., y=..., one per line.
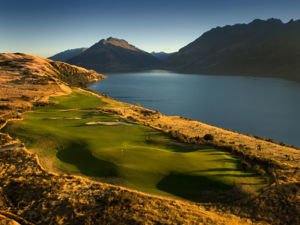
x=263, y=107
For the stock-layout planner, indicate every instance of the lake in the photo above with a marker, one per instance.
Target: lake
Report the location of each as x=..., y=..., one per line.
x=266, y=107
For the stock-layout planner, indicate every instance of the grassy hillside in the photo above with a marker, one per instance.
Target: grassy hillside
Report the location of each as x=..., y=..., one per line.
x=120, y=152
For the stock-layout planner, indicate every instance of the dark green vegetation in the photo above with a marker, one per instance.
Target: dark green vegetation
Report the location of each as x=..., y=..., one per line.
x=82, y=140
x=260, y=48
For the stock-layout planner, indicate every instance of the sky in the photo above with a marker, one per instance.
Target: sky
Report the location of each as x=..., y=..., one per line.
x=46, y=27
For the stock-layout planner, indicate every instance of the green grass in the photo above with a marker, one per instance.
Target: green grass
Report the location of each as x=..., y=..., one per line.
x=131, y=155
x=75, y=100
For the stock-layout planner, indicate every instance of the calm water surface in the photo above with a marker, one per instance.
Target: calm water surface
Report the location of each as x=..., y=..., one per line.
x=265, y=107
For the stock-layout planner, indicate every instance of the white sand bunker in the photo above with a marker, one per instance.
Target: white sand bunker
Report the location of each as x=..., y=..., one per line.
x=64, y=118
x=109, y=123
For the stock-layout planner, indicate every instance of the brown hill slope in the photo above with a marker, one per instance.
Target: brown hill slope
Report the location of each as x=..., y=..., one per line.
x=25, y=64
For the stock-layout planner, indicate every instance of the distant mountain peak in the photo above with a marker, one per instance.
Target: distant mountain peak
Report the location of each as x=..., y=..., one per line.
x=67, y=54
x=162, y=55
x=114, y=55
x=117, y=42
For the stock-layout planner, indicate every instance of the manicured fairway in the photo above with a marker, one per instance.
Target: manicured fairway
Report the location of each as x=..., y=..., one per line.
x=127, y=154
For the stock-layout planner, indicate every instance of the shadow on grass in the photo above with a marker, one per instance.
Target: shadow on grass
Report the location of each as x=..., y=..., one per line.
x=195, y=188
x=78, y=154
x=161, y=139
x=217, y=170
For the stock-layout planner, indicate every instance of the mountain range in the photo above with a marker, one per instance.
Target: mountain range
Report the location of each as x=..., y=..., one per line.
x=265, y=48
x=162, y=55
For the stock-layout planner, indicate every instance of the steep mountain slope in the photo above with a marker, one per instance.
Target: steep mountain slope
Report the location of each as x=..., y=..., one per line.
x=260, y=48
x=68, y=54
x=114, y=55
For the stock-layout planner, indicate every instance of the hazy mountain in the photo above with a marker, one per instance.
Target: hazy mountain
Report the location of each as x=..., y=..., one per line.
x=260, y=48
x=162, y=55
x=114, y=55
x=68, y=54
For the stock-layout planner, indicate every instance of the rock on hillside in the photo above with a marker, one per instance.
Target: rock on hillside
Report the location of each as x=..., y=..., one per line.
x=114, y=55
x=260, y=48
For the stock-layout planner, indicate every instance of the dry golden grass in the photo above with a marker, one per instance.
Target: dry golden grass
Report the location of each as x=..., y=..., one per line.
x=7, y=221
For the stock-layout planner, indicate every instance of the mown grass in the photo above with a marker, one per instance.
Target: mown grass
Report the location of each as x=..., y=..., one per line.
x=128, y=154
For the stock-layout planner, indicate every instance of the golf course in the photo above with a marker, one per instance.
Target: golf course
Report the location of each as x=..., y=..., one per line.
x=79, y=139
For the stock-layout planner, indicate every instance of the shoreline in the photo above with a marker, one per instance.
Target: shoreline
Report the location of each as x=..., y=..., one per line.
x=196, y=130
x=252, y=113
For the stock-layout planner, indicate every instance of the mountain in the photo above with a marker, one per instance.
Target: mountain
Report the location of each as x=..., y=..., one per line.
x=114, y=55
x=68, y=54
x=162, y=55
x=267, y=48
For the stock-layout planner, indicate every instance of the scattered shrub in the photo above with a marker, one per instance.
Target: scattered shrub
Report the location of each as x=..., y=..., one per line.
x=260, y=138
x=25, y=98
x=282, y=143
x=241, y=146
x=271, y=140
x=259, y=170
x=209, y=137
x=38, y=104
x=5, y=107
x=245, y=165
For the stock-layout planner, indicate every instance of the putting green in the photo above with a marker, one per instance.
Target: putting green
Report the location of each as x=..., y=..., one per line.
x=126, y=154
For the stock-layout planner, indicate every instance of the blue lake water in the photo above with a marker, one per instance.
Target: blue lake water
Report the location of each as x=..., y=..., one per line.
x=266, y=107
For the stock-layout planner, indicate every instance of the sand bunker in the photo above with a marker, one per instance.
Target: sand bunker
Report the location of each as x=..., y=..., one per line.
x=65, y=118
x=109, y=123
